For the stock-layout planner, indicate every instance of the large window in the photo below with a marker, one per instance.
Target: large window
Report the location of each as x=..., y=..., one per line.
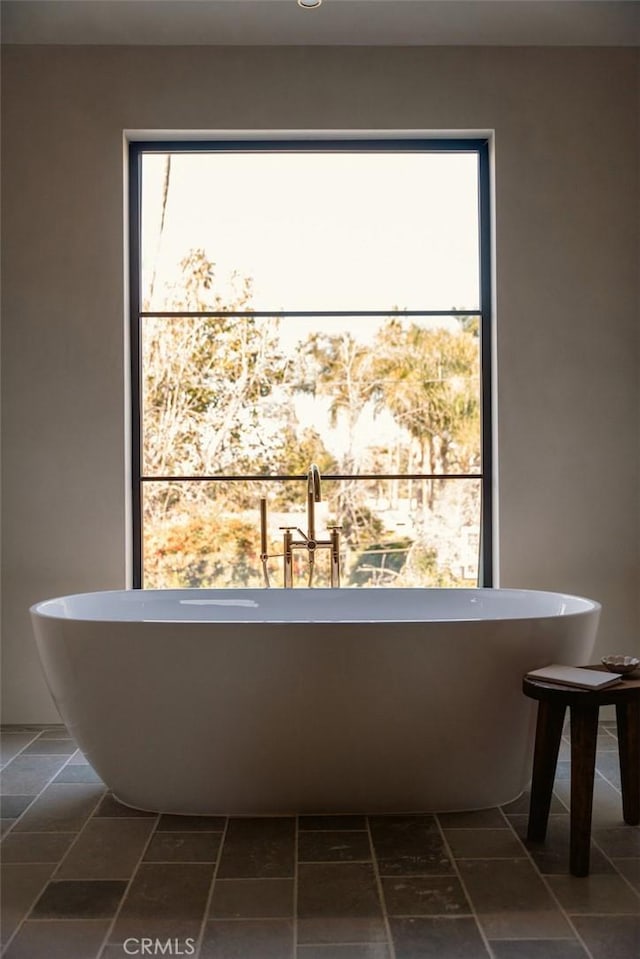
x=311, y=301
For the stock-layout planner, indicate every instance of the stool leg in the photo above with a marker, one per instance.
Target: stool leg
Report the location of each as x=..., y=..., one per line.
x=584, y=732
x=545, y=759
x=628, y=717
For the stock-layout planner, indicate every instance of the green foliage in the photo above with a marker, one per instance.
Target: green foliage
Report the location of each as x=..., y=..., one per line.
x=201, y=547
x=208, y=380
x=380, y=563
x=360, y=525
x=423, y=569
x=337, y=366
x=471, y=325
x=429, y=379
x=400, y=562
x=296, y=451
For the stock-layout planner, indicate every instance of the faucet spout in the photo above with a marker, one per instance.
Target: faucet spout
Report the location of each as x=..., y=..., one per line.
x=307, y=540
x=313, y=496
x=313, y=483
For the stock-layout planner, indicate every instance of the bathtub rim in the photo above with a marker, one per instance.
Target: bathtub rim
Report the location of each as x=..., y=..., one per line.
x=45, y=609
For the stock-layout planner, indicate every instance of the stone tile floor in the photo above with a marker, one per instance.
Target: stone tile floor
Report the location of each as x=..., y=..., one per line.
x=84, y=877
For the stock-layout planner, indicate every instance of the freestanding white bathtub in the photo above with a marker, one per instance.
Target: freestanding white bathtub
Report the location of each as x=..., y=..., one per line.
x=308, y=700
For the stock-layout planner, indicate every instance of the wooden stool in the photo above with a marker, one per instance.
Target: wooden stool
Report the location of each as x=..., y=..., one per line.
x=584, y=706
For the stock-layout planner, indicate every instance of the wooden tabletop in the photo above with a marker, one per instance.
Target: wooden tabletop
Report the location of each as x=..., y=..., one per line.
x=627, y=688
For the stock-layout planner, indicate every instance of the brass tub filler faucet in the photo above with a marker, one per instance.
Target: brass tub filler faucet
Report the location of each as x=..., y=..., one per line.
x=308, y=541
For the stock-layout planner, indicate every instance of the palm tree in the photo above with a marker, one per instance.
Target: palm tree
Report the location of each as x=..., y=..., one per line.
x=428, y=379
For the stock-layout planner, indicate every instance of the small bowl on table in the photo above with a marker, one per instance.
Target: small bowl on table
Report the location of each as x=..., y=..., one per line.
x=620, y=664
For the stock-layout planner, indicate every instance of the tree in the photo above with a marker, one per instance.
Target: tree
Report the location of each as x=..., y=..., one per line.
x=217, y=398
x=339, y=367
x=429, y=379
x=207, y=381
x=206, y=546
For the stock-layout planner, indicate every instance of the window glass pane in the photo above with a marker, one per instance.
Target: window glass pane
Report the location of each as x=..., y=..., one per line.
x=316, y=231
x=261, y=237
x=233, y=395
x=394, y=532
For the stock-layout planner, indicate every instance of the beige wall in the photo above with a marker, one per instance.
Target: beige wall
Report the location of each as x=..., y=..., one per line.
x=567, y=199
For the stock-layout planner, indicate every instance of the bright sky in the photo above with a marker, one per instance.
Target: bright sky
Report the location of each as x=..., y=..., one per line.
x=322, y=230
x=317, y=231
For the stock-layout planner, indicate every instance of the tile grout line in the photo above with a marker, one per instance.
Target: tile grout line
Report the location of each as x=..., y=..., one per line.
x=150, y=862
x=513, y=858
x=37, y=729
x=17, y=729
x=383, y=903
x=597, y=845
x=19, y=926
x=111, y=926
x=609, y=783
x=340, y=862
x=236, y=878
x=153, y=832
x=226, y=918
x=470, y=828
x=57, y=865
x=549, y=888
x=6, y=945
x=48, y=783
x=312, y=832
x=604, y=915
x=173, y=832
x=617, y=872
x=619, y=791
x=463, y=885
x=20, y=751
x=418, y=875
x=214, y=877
x=74, y=842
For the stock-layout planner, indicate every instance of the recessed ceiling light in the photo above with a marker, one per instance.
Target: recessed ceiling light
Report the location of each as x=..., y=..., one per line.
x=309, y=4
